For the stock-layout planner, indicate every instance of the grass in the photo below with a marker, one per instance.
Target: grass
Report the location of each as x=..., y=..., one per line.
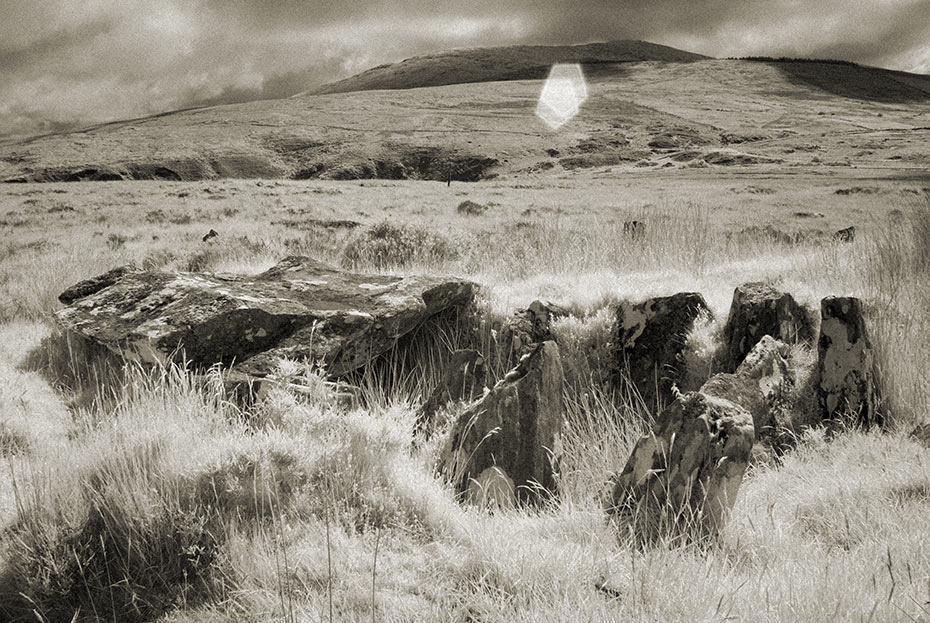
x=133, y=494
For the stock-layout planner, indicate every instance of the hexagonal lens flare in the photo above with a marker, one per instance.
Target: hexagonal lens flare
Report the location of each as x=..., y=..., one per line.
x=562, y=95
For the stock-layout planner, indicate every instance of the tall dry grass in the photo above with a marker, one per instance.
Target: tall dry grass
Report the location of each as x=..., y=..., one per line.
x=164, y=500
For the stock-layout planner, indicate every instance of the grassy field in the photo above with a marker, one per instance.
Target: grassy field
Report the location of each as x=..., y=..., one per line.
x=138, y=495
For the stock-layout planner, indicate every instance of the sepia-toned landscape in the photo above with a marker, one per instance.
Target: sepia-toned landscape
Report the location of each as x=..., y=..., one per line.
x=393, y=349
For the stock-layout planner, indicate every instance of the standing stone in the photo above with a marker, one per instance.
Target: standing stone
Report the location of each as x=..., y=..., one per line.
x=650, y=339
x=759, y=309
x=682, y=478
x=463, y=379
x=500, y=450
x=762, y=386
x=526, y=328
x=846, y=363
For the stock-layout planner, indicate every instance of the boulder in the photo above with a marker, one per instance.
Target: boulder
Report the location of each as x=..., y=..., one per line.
x=526, y=328
x=759, y=309
x=299, y=309
x=846, y=388
x=464, y=378
x=93, y=285
x=845, y=235
x=635, y=230
x=650, y=339
x=682, y=478
x=501, y=448
x=762, y=386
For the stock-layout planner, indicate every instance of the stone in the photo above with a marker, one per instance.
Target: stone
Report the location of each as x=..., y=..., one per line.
x=526, y=328
x=682, y=478
x=762, y=386
x=846, y=363
x=210, y=235
x=636, y=230
x=845, y=235
x=470, y=208
x=650, y=339
x=300, y=309
x=759, y=309
x=514, y=431
x=463, y=379
x=93, y=285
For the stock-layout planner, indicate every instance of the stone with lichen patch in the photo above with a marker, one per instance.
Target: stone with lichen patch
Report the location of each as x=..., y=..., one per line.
x=846, y=363
x=650, y=339
x=299, y=309
x=759, y=309
x=683, y=476
x=514, y=429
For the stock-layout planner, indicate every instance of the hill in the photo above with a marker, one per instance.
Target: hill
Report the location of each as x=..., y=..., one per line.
x=648, y=107
x=496, y=64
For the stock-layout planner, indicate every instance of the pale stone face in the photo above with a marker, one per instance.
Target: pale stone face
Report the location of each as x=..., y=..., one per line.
x=562, y=95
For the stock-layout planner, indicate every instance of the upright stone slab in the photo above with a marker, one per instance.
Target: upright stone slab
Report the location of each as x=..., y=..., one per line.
x=500, y=450
x=650, y=339
x=760, y=309
x=682, y=478
x=527, y=328
x=762, y=385
x=464, y=378
x=299, y=309
x=846, y=363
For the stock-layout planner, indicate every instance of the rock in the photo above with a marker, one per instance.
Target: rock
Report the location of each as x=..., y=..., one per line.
x=210, y=234
x=682, y=478
x=759, y=309
x=762, y=386
x=470, y=208
x=526, y=328
x=299, y=309
x=95, y=284
x=464, y=378
x=846, y=363
x=635, y=230
x=500, y=449
x=845, y=235
x=650, y=339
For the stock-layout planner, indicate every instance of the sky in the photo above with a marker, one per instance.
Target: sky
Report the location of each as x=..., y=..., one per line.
x=73, y=63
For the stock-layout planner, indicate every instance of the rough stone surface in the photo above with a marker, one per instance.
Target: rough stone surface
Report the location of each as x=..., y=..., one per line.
x=514, y=429
x=682, y=478
x=299, y=309
x=845, y=235
x=761, y=385
x=650, y=339
x=846, y=363
x=526, y=328
x=759, y=309
x=464, y=378
x=95, y=284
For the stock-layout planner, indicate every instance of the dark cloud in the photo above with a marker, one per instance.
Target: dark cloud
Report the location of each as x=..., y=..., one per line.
x=65, y=63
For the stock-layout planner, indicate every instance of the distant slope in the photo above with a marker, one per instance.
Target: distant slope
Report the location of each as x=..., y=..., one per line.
x=493, y=64
x=640, y=115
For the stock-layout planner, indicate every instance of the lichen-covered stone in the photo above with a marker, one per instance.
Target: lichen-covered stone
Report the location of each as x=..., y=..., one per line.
x=299, y=309
x=464, y=378
x=682, y=478
x=514, y=429
x=846, y=363
x=762, y=385
x=526, y=328
x=650, y=339
x=760, y=309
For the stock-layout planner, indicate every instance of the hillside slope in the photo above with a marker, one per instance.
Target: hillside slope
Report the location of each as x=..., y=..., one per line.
x=643, y=114
x=495, y=64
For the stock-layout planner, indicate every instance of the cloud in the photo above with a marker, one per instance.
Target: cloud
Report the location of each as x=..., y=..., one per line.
x=67, y=63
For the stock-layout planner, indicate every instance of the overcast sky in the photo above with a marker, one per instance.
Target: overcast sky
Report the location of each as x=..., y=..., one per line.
x=66, y=63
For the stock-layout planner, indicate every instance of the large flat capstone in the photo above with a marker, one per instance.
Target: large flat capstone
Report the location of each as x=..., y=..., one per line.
x=299, y=309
